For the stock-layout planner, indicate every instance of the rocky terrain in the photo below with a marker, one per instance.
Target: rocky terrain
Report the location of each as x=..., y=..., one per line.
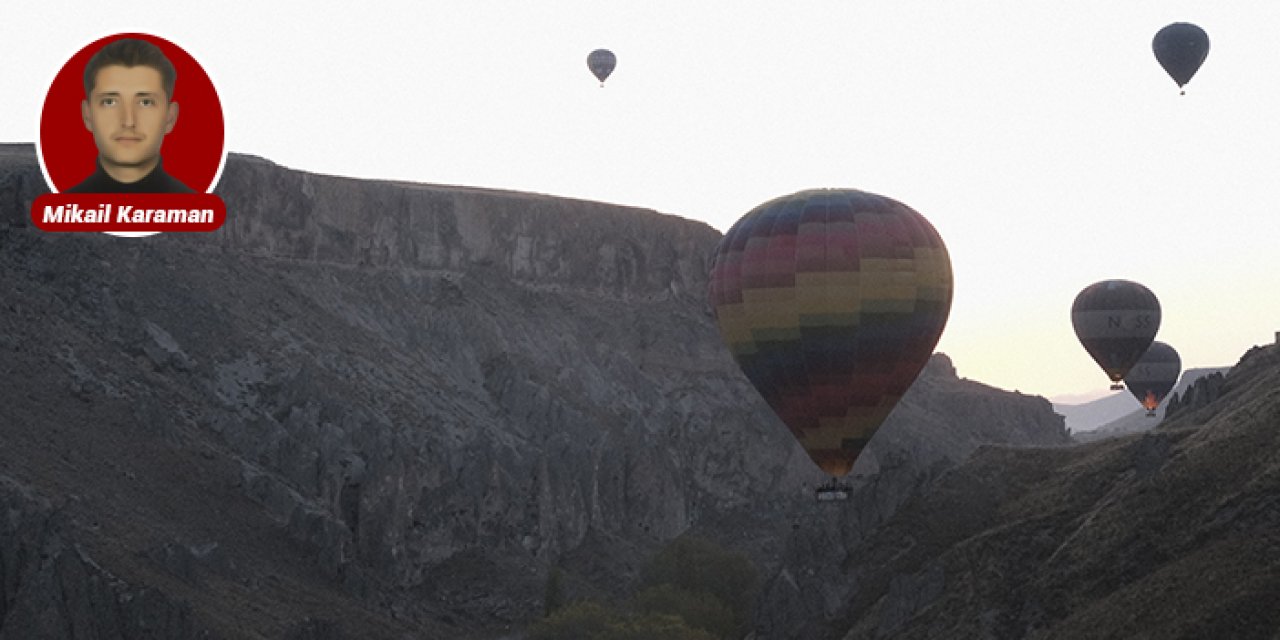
x=1168, y=534
x=379, y=410
x=1116, y=415
x=1094, y=414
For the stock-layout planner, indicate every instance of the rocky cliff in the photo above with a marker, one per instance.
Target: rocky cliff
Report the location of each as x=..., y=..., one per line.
x=381, y=410
x=1196, y=396
x=1168, y=534
x=1193, y=385
x=819, y=567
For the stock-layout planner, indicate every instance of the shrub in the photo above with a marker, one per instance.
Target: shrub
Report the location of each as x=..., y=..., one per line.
x=587, y=620
x=553, y=597
x=696, y=565
x=698, y=609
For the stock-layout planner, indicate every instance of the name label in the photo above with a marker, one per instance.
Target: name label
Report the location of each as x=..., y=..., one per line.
x=128, y=212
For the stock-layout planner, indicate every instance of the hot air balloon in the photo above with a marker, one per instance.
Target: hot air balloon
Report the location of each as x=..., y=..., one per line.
x=1154, y=376
x=1181, y=48
x=1116, y=320
x=831, y=302
x=601, y=62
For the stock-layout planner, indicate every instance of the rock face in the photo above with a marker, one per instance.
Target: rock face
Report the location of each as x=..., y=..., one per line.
x=380, y=410
x=821, y=565
x=1197, y=396
x=1167, y=534
x=1133, y=420
x=40, y=569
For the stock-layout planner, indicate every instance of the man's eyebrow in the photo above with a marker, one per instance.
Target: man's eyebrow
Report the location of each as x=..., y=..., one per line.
x=116, y=94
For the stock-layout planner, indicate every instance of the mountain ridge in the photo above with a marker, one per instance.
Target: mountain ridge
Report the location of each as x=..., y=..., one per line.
x=391, y=410
x=1115, y=415
x=1117, y=538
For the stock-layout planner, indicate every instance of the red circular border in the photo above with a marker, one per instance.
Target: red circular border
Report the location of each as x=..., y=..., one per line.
x=194, y=152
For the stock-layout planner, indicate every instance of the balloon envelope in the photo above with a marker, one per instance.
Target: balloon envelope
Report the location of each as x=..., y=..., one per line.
x=1154, y=376
x=601, y=62
x=831, y=302
x=1181, y=48
x=1116, y=320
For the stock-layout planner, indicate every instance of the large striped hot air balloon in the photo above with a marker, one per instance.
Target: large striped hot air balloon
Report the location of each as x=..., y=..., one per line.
x=831, y=301
x=1116, y=320
x=1154, y=376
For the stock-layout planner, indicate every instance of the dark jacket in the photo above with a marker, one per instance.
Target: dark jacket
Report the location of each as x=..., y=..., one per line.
x=155, y=182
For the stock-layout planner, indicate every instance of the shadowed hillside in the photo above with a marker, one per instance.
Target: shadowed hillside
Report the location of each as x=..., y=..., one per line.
x=379, y=410
x=1115, y=415
x=1170, y=534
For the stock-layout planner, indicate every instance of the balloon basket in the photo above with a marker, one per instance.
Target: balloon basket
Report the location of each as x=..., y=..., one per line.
x=833, y=491
x=1117, y=387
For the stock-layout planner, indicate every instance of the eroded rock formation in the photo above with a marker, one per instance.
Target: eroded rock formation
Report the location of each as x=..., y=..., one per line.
x=368, y=409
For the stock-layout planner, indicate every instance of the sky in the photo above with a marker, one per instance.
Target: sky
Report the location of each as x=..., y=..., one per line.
x=1042, y=139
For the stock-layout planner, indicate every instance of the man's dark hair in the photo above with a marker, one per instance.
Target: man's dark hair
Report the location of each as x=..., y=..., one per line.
x=130, y=52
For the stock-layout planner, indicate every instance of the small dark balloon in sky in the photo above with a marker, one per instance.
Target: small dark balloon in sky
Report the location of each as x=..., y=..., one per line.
x=1181, y=48
x=601, y=62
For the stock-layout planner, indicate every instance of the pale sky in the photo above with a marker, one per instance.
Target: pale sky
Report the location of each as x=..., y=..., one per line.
x=1042, y=139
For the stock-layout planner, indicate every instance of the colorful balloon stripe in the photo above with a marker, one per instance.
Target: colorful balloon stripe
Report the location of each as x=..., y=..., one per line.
x=831, y=301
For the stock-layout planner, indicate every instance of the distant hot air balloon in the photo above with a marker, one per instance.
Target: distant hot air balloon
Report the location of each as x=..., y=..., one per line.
x=1116, y=320
x=601, y=62
x=1181, y=48
x=1154, y=376
x=831, y=301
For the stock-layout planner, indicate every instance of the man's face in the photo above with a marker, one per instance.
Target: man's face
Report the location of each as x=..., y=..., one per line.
x=129, y=115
